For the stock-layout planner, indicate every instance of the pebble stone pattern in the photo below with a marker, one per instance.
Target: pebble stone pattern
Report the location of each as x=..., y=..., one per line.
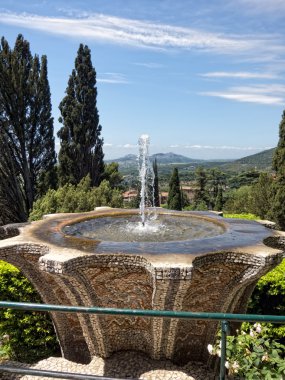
x=127, y=364
x=214, y=282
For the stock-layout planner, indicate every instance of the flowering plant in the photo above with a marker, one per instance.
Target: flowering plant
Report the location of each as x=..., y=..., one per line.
x=252, y=355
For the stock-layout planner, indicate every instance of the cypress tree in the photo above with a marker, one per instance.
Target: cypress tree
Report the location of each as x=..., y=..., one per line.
x=174, y=201
x=155, y=185
x=26, y=129
x=201, y=194
x=81, y=150
x=278, y=204
x=45, y=170
x=219, y=200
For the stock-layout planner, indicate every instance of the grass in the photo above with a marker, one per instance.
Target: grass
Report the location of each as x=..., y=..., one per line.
x=247, y=216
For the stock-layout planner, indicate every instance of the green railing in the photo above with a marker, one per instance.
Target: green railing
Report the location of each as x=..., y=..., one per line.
x=224, y=318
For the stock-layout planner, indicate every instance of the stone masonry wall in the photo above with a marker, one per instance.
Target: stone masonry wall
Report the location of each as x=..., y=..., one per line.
x=218, y=282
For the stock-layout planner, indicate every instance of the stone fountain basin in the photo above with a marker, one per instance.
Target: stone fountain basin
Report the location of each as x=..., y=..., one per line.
x=213, y=274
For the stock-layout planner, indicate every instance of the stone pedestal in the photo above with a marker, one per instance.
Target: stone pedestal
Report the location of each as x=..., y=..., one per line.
x=210, y=275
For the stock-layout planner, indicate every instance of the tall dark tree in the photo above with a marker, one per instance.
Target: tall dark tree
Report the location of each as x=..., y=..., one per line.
x=81, y=151
x=215, y=186
x=174, y=201
x=278, y=204
x=201, y=194
x=26, y=130
x=155, y=185
x=219, y=200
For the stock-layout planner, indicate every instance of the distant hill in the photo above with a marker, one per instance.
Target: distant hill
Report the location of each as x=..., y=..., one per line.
x=172, y=158
x=162, y=158
x=259, y=161
x=126, y=158
x=128, y=165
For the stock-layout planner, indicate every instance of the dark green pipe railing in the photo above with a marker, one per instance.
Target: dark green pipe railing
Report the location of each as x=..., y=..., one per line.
x=144, y=313
x=55, y=374
x=224, y=318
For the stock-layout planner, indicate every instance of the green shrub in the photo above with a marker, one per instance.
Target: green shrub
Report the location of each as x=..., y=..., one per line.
x=80, y=198
x=268, y=298
x=239, y=200
x=253, y=356
x=25, y=335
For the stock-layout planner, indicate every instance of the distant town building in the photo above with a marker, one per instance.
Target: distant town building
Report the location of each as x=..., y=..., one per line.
x=129, y=195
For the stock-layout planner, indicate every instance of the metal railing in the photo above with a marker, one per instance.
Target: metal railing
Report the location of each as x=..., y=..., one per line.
x=224, y=318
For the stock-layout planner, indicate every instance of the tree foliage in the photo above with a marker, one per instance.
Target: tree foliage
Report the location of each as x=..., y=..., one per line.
x=25, y=335
x=239, y=200
x=81, y=151
x=262, y=194
x=268, y=298
x=201, y=196
x=278, y=205
x=243, y=178
x=80, y=198
x=112, y=175
x=174, y=201
x=27, y=160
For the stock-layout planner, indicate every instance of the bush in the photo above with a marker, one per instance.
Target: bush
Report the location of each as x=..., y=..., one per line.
x=80, y=198
x=253, y=356
x=268, y=298
x=240, y=200
x=258, y=352
x=25, y=335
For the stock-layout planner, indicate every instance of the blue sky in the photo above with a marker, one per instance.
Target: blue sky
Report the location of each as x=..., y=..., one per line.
x=202, y=78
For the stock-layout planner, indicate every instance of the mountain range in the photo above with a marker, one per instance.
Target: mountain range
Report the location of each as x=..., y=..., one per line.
x=259, y=161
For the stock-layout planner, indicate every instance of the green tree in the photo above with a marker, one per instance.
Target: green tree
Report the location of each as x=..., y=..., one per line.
x=27, y=160
x=112, y=175
x=219, y=201
x=240, y=200
x=201, y=196
x=262, y=196
x=174, y=201
x=245, y=178
x=215, y=186
x=155, y=184
x=81, y=149
x=278, y=204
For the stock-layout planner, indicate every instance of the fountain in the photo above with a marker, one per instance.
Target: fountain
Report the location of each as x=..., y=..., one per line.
x=191, y=261
x=146, y=176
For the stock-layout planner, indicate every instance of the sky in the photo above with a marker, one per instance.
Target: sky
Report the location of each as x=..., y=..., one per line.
x=202, y=78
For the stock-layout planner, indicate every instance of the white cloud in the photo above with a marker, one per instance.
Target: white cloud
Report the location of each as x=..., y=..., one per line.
x=240, y=74
x=247, y=98
x=272, y=94
x=149, y=65
x=225, y=147
x=107, y=145
x=128, y=146
x=140, y=33
x=112, y=78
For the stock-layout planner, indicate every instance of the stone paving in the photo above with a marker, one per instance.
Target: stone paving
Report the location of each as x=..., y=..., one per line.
x=120, y=365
